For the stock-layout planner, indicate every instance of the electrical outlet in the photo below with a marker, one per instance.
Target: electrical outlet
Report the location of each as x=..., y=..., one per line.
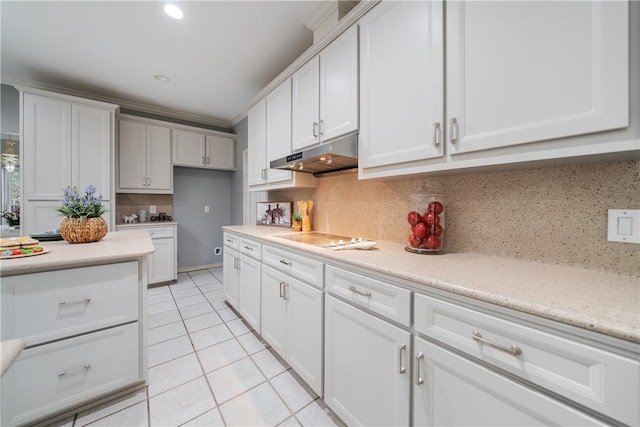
x=206, y=209
x=152, y=209
x=624, y=225
x=217, y=251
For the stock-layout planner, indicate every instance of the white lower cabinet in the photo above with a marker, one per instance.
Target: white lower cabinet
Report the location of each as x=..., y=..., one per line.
x=249, y=291
x=451, y=390
x=163, y=263
x=231, y=272
x=292, y=323
x=367, y=374
x=51, y=377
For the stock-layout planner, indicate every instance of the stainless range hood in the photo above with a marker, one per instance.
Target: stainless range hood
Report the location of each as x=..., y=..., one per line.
x=339, y=154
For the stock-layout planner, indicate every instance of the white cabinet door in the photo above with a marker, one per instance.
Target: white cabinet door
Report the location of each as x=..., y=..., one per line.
x=162, y=261
x=249, y=291
x=305, y=87
x=304, y=332
x=159, y=167
x=231, y=272
x=132, y=155
x=450, y=390
x=274, y=309
x=188, y=148
x=520, y=72
x=339, y=86
x=363, y=355
x=46, y=161
x=257, y=144
x=401, y=83
x=278, y=130
x=91, y=148
x=220, y=152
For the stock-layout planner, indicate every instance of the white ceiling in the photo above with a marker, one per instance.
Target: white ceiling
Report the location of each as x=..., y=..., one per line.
x=218, y=57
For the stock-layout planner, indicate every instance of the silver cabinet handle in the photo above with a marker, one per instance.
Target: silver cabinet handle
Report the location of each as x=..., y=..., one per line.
x=286, y=292
x=84, y=301
x=321, y=128
x=401, y=368
x=436, y=134
x=514, y=349
x=249, y=248
x=236, y=263
x=282, y=261
x=453, y=130
x=204, y=161
x=281, y=289
x=315, y=129
x=75, y=371
x=208, y=160
x=229, y=241
x=359, y=292
x=144, y=181
x=418, y=380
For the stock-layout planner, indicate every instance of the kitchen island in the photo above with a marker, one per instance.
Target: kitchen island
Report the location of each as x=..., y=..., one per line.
x=81, y=311
x=535, y=343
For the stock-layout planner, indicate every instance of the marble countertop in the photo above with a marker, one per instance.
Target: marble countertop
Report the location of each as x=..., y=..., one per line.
x=9, y=352
x=114, y=247
x=607, y=303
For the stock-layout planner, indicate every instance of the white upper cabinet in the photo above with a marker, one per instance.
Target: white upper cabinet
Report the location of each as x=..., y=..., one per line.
x=67, y=141
x=520, y=72
x=325, y=93
x=525, y=81
x=202, y=149
x=401, y=83
x=144, y=156
x=269, y=133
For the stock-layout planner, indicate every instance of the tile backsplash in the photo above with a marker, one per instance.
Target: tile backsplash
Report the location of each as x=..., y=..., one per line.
x=552, y=215
x=130, y=203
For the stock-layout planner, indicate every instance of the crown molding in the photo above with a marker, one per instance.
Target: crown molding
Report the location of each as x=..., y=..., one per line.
x=346, y=22
x=320, y=13
x=130, y=105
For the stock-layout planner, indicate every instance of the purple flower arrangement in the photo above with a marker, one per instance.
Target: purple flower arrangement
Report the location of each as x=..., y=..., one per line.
x=81, y=205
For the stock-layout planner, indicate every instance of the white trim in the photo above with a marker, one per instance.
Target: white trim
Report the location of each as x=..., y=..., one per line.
x=320, y=13
x=199, y=267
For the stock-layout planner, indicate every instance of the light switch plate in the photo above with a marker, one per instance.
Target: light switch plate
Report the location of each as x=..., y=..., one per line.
x=624, y=225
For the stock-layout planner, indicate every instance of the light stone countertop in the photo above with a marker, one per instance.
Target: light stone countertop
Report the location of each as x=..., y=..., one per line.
x=146, y=224
x=607, y=303
x=9, y=352
x=114, y=247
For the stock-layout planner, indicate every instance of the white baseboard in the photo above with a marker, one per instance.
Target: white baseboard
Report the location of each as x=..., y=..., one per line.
x=199, y=267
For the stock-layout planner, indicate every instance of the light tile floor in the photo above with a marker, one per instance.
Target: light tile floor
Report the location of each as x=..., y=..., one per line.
x=208, y=368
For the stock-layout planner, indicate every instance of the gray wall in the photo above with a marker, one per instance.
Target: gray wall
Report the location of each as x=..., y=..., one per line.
x=10, y=120
x=199, y=232
x=242, y=141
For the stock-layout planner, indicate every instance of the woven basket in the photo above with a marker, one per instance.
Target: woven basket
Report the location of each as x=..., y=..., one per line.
x=83, y=230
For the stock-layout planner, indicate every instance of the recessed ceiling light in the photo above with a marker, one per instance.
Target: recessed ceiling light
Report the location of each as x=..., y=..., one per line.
x=173, y=11
x=161, y=78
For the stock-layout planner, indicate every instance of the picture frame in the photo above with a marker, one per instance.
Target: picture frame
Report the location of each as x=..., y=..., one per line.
x=274, y=213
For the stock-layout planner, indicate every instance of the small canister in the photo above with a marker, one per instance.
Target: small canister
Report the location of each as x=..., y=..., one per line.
x=426, y=222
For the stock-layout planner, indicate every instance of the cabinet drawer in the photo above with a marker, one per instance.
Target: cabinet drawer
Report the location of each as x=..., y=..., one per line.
x=383, y=298
x=41, y=307
x=231, y=240
x=51, y=377
x=251, y=248
x=160, y=232
x=296, y=266
x=603, y=381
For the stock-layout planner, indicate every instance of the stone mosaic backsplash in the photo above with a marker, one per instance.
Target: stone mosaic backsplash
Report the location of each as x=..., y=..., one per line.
x=551, y=215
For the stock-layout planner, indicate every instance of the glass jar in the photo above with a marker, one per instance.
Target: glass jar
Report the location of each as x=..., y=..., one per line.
x=426, y=222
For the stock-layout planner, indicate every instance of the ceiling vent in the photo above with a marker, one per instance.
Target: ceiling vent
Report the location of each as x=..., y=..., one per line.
x=326, y=16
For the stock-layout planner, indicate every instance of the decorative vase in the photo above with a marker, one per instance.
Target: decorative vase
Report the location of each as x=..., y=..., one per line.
x=296, y=225
x=83, y=230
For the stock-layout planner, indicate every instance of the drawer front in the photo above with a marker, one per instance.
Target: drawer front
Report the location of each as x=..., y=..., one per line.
x=161, y=232
x=231, y=240
x=299, y=267
x=251, y=248
x=41, y=307
x=380, y=297
x=54, y=376
x=603, y=381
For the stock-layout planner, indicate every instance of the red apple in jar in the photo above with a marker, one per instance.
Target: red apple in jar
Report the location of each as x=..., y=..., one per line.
x=414, y=242
x=435, y=207
x=436, y=230
x=431, y=218
x=414, y=217
x=432, y=242
x=420, y=230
